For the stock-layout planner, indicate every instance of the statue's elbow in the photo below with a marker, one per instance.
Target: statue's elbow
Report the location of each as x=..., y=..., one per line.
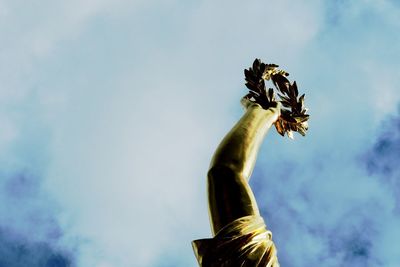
x=222, y=172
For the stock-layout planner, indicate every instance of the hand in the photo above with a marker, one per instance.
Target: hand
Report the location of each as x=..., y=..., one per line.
x=275, y=106
x=276, y=110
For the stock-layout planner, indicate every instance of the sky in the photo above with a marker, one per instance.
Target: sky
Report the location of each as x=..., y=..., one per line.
x=110, y=111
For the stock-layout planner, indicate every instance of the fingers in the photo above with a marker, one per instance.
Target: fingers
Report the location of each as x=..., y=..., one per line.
x=277, y=108
x=245, y=102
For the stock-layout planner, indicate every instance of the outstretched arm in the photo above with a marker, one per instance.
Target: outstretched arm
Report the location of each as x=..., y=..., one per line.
x=229, y=193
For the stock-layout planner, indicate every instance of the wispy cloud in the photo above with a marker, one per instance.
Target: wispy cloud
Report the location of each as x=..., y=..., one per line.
x=21, y=251
x=110, y=112
x=322, y=205
x=382, y=159
x=30, y=234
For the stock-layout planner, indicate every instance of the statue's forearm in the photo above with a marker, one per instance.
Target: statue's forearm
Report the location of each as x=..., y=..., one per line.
x=229, y=194
x=238, y=150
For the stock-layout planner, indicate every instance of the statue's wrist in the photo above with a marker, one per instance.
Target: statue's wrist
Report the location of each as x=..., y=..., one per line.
x=270, y=115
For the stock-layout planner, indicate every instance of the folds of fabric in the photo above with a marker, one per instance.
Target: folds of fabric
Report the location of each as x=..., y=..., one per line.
x=245, y=242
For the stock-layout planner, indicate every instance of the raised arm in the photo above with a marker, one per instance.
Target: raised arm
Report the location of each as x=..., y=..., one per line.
x=230, y=196
x=240, y=235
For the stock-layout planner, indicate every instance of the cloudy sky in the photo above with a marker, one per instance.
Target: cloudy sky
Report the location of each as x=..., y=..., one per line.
x=110, y=111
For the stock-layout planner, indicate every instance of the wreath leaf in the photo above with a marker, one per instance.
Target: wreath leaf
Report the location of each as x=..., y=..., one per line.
x=293, y=113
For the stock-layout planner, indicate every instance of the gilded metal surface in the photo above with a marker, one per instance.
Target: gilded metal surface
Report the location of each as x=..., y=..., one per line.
x=240, y=235
x=245, y=242
x=229, y=194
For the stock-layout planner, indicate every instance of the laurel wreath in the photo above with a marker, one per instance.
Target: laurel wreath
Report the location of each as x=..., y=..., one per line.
x=293, y=116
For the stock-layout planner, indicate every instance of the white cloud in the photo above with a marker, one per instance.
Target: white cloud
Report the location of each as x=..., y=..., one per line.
x=136, y=97
x=130, y=160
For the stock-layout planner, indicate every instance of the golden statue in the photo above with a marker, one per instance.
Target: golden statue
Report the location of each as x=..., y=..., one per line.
x=240, y=235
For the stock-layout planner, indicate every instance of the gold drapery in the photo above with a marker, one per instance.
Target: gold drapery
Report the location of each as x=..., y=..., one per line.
x=245, y=242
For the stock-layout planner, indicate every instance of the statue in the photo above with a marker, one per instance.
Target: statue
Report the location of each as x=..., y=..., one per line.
x=240, y=235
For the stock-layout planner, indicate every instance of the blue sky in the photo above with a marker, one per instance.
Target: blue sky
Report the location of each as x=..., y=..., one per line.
x=110, y=112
